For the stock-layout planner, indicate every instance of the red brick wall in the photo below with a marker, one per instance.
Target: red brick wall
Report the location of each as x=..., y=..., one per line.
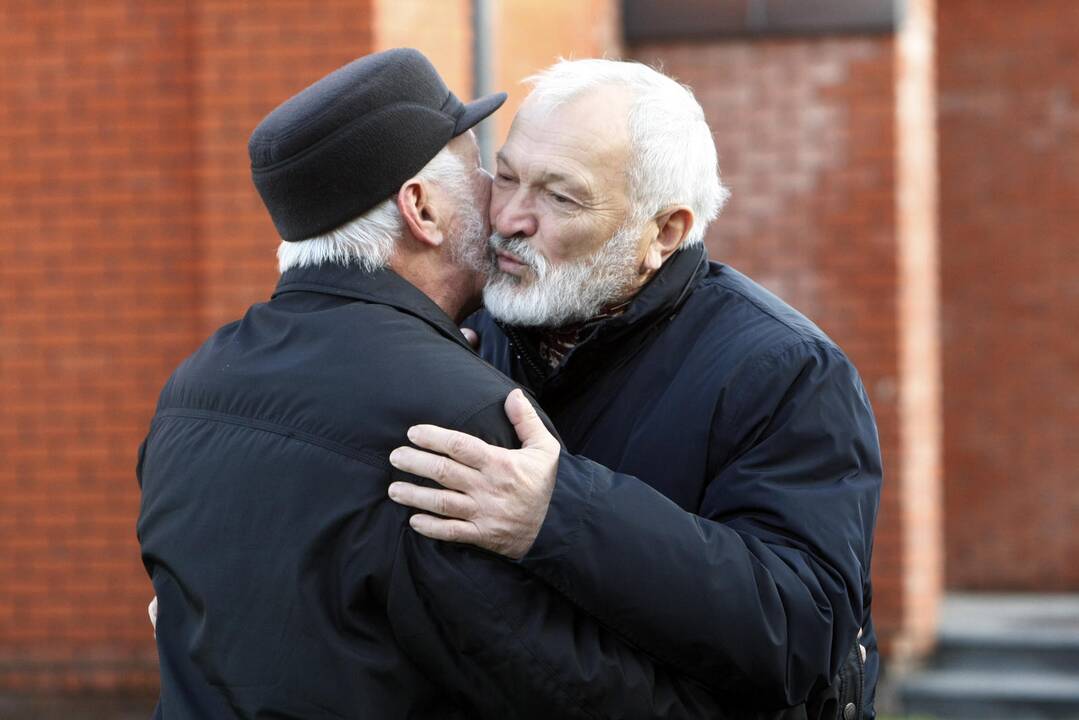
x=440, y=30
x=806, y=133
x=99, y=242
x=526, y=36
x=1009, y=167
x=251, y=56
x=530, y=35
x=129, y=228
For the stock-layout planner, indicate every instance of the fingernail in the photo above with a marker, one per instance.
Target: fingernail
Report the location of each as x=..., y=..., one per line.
x=411, y=433
x=395, y=457
x=392, y=491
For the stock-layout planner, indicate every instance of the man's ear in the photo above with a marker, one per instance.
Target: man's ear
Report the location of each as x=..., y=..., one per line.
x=419, y=213
x=672, y=227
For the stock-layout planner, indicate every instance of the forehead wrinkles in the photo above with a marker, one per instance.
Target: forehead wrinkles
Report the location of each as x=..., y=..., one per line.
x=532, y=144
x=592, y=162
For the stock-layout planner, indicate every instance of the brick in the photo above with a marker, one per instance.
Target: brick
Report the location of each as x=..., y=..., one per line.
x=1009, y=153
x=104, y=116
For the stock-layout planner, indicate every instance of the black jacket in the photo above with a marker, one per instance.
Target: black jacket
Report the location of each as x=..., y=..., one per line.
x=289, y=586
x=717, y=501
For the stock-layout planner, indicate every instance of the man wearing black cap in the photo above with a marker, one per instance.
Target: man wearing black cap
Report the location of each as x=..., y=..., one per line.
x=288, y=584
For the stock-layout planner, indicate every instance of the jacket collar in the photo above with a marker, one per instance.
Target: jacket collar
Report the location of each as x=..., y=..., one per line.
x=382, y=287
x=663, y=294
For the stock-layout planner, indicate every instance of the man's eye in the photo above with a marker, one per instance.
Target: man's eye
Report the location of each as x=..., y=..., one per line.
x=503, y=177
x=561, y=199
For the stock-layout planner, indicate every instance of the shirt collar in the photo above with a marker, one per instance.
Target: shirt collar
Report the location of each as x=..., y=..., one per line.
x=383, y=287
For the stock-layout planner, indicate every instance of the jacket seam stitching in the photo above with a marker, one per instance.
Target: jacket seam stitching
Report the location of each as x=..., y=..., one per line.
x=278, y=429
x=577, y=530
x=465, y=417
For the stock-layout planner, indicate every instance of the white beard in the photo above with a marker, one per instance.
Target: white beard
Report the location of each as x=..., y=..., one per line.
x=564, y=293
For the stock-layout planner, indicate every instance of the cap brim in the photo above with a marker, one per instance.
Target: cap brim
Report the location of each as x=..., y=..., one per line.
x=477, y=110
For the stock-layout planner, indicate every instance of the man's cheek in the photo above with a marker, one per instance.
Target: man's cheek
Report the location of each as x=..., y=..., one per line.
x=497, y=202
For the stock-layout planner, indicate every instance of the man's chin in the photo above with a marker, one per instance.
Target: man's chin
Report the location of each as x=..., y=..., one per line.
x=508, y=301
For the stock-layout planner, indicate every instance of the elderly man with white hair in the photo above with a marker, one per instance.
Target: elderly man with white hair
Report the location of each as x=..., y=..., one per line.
x=288, y=586
x=716, y=492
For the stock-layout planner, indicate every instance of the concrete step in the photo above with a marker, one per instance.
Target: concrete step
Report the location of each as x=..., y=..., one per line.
x=1000, y=656
x=1015, y=632
x=980, y=694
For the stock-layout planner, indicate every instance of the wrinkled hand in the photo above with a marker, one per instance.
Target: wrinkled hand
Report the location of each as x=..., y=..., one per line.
x=494, y=498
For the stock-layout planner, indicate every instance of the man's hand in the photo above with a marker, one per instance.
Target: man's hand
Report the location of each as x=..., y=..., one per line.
x=494, y=498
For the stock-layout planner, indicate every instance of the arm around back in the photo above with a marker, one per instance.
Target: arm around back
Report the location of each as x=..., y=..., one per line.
x=506, y=645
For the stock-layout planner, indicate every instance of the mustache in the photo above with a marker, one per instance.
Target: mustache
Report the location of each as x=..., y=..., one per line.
x=519, y=247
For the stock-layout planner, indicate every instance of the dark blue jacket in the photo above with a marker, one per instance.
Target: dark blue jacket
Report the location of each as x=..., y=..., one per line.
x=717, y=499
x=289, y=586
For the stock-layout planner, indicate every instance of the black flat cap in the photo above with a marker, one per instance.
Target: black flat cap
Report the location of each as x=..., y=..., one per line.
x=348, y=142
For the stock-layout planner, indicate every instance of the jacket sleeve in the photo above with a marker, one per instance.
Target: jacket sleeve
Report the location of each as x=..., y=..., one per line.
x=760, y=593
x=506, y=645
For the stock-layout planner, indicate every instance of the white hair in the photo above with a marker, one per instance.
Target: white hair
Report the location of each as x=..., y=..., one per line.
x=673, y=160
x=368, y=241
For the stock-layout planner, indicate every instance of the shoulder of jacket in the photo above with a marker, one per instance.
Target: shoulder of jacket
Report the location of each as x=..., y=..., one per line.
x=768, y=325
x=429, y=354
x=348, y=363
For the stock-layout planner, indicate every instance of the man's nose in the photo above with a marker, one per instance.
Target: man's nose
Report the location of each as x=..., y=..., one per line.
x=514, y=217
